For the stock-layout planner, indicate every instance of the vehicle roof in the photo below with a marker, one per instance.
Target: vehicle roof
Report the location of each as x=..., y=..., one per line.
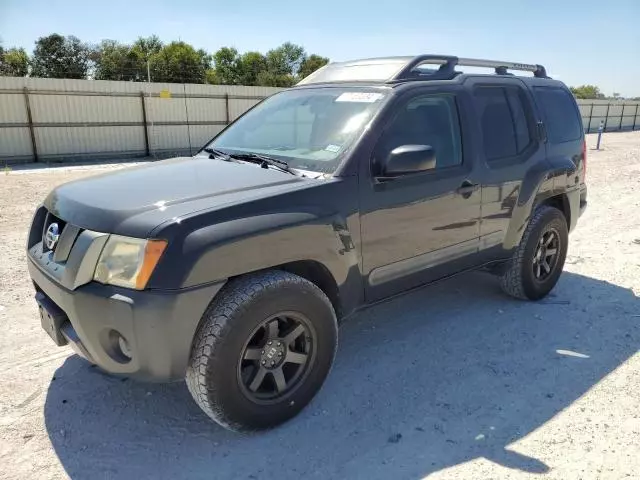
x=393, y=71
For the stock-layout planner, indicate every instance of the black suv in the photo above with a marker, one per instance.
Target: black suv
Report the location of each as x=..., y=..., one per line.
x=232, y=268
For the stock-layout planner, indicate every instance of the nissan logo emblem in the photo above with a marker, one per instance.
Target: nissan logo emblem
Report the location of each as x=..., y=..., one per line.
x=51, y=236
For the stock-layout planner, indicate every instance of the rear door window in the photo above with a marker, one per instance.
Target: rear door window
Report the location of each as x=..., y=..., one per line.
x=561, y=118
x=503, y=119
x=519, y=118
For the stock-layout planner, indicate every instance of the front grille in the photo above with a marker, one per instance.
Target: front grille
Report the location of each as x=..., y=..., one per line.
x=66, y=235
x=72, y=261
x=37, y=225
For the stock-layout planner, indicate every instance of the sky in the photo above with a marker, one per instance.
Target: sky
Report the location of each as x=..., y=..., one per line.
x=580, y=42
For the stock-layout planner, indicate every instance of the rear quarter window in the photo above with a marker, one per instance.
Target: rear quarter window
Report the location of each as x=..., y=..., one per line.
x=563, y=124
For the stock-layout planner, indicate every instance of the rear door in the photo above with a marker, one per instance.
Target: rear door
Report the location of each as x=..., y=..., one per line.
x=510, y=149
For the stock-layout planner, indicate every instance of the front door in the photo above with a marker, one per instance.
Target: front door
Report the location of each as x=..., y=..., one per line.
x=419, y=227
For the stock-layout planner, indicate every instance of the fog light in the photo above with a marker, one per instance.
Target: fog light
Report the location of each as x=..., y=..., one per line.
x=124, y=347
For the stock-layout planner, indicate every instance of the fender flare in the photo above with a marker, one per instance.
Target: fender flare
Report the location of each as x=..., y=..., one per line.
x=243, y=245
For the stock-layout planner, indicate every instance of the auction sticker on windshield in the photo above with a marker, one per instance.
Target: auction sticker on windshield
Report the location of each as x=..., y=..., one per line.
x=362, y=97
x=332, y=148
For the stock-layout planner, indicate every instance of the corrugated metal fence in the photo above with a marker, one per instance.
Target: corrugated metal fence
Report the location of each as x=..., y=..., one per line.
x=615, y=116
x=49, y=119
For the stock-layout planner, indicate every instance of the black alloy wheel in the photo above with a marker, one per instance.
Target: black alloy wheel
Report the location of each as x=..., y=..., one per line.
x=546, y=255
x=277, y=357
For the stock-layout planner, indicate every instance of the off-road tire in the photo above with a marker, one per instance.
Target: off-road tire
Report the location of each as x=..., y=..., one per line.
x=519, y=280
x=224, y=329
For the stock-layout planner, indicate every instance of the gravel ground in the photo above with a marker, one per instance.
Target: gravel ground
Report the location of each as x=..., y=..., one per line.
x=464, y=383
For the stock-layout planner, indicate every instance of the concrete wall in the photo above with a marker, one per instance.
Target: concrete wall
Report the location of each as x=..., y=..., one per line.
x=91, y=119
x=81, y=119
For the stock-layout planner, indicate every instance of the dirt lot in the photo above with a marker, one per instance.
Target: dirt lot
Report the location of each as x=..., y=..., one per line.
x=463, y=383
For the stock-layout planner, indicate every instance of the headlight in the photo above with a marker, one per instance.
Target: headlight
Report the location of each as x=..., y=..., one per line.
x=128, y=262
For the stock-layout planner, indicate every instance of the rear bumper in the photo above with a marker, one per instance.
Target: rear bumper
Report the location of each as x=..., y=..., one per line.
x=583, y=199
x=158, y=327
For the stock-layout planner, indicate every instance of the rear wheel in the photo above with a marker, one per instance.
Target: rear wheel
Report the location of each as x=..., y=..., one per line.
x=263, y=350
x=538, y=261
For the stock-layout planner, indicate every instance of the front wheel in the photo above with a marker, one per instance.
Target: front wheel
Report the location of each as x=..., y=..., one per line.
x=538, y=261
x=263, y=350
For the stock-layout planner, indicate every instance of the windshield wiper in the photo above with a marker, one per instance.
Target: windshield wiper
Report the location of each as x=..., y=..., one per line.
x=213, y=153
x=264, y=161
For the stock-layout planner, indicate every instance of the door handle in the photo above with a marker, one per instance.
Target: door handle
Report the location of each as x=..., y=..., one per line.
x=467, y=188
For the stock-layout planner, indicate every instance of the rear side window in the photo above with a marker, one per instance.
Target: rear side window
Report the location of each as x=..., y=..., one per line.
x=503, y=120
x=560, y=114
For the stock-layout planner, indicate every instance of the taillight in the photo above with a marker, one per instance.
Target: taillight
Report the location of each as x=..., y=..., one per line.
x=584, y=161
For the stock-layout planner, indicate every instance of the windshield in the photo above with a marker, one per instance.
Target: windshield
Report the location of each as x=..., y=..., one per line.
x=310, y=129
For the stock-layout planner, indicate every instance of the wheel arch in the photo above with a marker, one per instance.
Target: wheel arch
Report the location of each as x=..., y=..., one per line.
x=311, y=270
x=318, y=274
x=561, y=202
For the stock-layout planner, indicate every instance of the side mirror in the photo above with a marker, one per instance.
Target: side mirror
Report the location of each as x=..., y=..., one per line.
x=408, y=159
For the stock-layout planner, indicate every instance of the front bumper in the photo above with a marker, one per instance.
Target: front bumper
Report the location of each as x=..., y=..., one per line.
x=158, y=326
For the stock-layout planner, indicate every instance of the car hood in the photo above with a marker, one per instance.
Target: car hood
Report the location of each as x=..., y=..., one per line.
x=133, y=201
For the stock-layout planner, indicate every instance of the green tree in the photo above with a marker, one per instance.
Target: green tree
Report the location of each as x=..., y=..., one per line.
x=211, y=77
x=310, y=64
x=286, y=59
x=280, y=67
x=250, y=66
x=587, y=92
x=283, y=64
x=144, y=48
x=227, y=64
x=14, y=62
x=270, y=79
x=56, y=56
x=179, y=62
x=116, y=61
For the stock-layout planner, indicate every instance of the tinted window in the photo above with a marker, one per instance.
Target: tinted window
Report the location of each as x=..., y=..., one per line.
x=426, y=120
x=505, y=131
x=560, y=116
x=519, y=119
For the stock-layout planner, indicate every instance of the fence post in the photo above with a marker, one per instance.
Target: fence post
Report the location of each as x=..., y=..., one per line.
x=606, y=118
x=590, y=115
x=634, y=118
x=34, y=146
x=621, y=118
x=226, y=107
x=600, y=130
x=144, y=122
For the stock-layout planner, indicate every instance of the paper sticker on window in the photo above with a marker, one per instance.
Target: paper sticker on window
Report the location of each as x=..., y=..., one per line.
x=362, y=97
x=332, y=148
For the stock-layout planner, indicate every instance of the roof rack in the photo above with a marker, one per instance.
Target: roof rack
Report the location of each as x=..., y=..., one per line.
x=448, y=63
x=401, y=69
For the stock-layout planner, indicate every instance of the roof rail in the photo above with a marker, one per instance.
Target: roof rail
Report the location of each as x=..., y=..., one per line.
x=448, y=63
x=400, y=69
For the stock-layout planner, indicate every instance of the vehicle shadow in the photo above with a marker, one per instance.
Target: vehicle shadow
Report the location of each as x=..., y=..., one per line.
x=432, y=379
